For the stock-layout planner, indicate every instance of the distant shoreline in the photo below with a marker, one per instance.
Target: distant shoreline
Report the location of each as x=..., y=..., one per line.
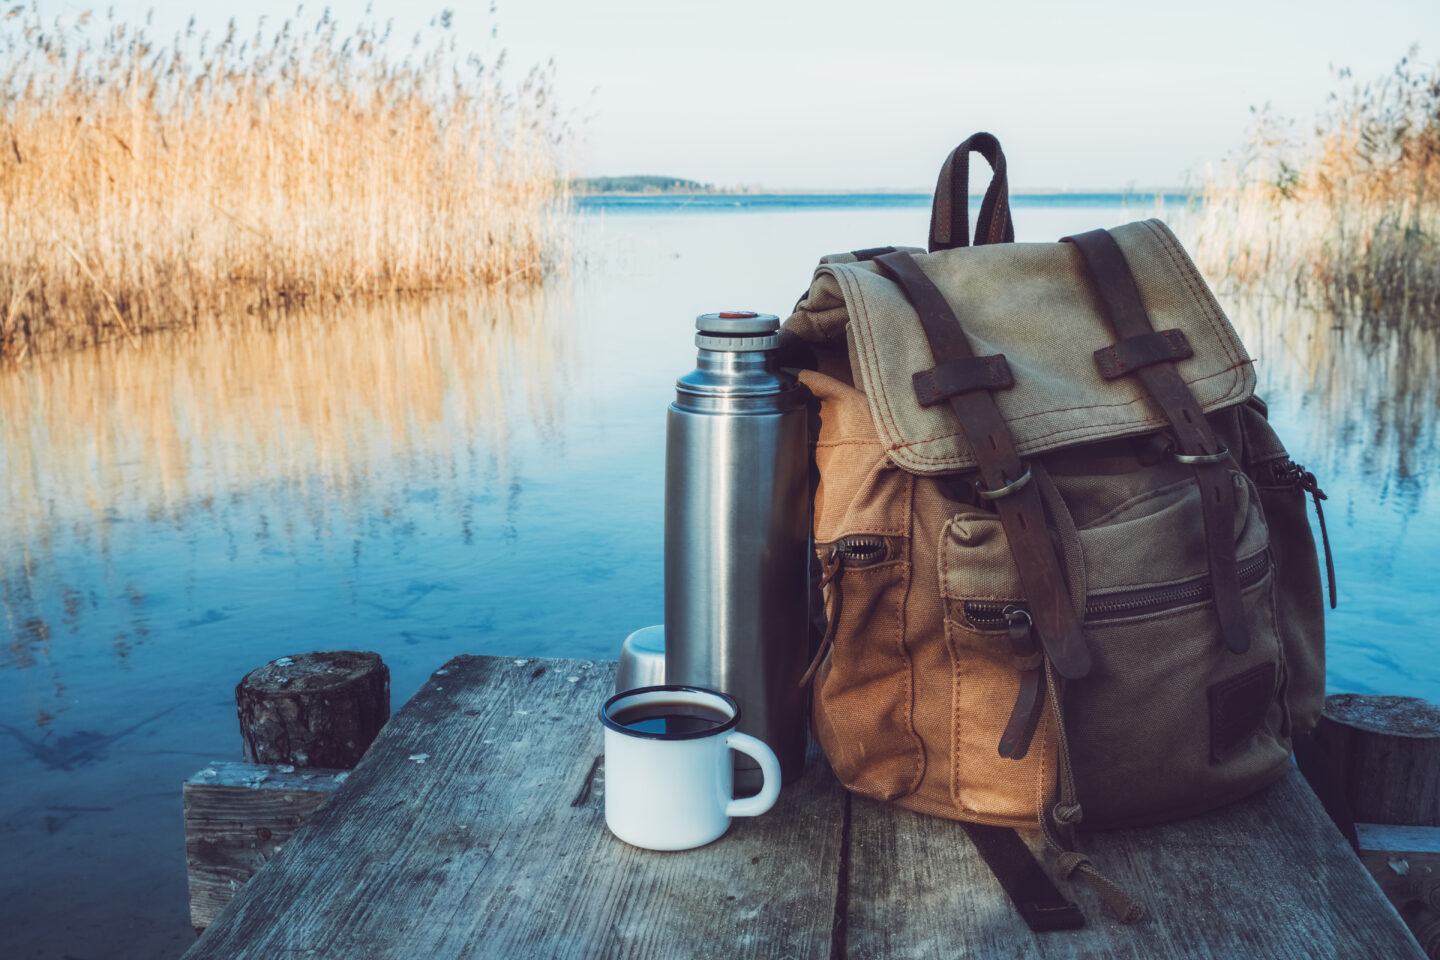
x=654, y=186
x=1167, y=192
x=874, y=197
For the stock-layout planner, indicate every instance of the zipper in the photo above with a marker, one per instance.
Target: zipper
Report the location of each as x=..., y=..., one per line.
x=861, y=550
x=992, y=614
x=1288, y=472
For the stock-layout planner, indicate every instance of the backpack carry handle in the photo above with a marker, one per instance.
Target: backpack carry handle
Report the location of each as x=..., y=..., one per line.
x=950, y=212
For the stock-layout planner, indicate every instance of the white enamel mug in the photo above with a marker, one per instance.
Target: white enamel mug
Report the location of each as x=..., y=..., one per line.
x=674, y=790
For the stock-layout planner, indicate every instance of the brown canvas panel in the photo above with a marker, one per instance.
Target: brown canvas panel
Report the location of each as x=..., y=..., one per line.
x=863, y=695
x=962, y=700
x=860, y=490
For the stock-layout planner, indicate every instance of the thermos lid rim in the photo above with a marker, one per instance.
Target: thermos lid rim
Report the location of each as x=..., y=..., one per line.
x=738, y=344
x=737, y=323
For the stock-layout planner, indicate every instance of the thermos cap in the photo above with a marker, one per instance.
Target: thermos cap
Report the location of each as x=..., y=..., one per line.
x=642, y=659
x=737, y=330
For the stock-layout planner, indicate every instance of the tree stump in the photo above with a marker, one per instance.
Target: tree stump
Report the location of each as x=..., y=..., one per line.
x=1386, y=752
x=314, y=709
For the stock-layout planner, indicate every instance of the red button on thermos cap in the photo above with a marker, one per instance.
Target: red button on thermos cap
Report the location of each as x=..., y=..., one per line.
x=738, y=315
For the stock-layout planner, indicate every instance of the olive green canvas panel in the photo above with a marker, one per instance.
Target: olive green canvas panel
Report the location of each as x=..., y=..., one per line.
x=1032, y=303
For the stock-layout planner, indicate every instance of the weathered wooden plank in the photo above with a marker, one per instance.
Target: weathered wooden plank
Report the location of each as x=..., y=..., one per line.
x=1411, y=881
x=1388, y=836
x=1269, y=877
x=474, y=826
x=237, y=817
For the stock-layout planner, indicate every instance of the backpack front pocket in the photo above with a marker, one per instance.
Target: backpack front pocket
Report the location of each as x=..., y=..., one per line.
x=976, y=567
x=864, y=691
x=1169, y=720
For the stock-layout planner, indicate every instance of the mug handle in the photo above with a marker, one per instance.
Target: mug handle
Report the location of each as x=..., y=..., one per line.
x=769, y=770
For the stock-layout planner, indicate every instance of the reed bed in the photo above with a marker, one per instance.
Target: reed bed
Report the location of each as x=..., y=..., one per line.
x=147, y=185
x=1346, y=218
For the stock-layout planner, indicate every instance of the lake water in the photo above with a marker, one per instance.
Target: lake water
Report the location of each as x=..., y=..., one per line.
x=479, y=475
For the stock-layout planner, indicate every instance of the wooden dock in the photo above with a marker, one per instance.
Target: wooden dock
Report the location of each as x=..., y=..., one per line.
x=474, y=827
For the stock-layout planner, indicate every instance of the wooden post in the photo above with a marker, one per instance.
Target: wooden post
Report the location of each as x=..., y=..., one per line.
x=238, y=816
x=1386, y=754
x=1386, y=751
x=314, y=709
x=305, y=721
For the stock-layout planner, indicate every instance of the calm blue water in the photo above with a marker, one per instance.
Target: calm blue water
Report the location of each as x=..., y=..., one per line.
x=475, y=476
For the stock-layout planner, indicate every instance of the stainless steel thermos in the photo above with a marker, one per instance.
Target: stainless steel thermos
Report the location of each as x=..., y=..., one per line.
x=737, y=525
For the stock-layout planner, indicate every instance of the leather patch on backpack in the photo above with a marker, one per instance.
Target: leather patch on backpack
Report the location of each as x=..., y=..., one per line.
x=1237, y=707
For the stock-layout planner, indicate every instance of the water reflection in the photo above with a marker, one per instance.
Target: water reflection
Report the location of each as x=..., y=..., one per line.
x=312, y=400
x=307, y=410
x=1368, y=401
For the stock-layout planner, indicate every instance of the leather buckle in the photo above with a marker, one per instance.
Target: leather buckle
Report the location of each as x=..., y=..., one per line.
x=1194, y=458
x=1014, y=486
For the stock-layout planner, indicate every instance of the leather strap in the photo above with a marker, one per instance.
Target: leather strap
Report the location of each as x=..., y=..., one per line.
x=1024, y=716
x=1030, y=695
x=1021, y=511
x=1032, y=891
x=1128, y=355
x=1114, y=285
x=950, y=211
x=961, y=375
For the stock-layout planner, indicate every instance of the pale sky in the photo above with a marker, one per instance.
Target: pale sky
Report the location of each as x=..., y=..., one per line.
x=852, y=95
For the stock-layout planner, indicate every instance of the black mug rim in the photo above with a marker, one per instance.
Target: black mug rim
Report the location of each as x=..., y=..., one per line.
x=606, y=719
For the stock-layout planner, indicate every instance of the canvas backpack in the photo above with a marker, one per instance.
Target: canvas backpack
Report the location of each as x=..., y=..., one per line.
x=1067, y=568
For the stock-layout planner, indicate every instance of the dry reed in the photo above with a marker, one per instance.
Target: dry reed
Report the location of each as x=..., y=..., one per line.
x=146, y=186
x=1346, y=219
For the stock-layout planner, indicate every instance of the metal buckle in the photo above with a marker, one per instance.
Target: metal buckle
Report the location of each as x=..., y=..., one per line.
x=1193, y=458
x=1004, y=491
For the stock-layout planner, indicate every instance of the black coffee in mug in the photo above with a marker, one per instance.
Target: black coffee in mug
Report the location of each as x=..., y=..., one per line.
x=668, y=783
x=670, y=718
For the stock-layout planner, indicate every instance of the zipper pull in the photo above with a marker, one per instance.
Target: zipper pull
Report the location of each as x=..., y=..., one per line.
x=1310, y=485
x=1030, y=697
x=1018, y=626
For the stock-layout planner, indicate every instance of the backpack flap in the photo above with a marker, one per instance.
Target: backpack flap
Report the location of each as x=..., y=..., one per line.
x=1032, y=303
